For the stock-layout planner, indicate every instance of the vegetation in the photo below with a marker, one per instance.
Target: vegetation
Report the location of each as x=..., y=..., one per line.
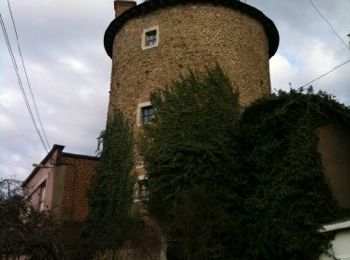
x=226, y=185
x=190, y=156
x=25, y=231
x=290, y=198
x=110, y=199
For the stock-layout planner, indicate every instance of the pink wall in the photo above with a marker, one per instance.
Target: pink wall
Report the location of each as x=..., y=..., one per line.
x=43, y=174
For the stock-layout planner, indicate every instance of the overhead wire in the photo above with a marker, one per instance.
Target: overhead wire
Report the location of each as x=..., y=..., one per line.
x=325, y=74
x=329, y=24
x=20, y=84
x=26, y=74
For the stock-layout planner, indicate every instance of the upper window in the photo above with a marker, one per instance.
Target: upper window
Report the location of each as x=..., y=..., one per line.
x=150, y=37
x=41, y=194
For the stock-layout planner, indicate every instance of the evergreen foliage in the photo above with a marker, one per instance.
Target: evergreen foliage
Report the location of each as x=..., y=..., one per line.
x=111, y=196
x=291, y=198
x=226, y=185
x=190, y=157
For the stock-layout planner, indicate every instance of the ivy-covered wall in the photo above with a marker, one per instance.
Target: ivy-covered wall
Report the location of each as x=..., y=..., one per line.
x=226, y=185
x=110, y=199
x=223, y=183
x=290, y=197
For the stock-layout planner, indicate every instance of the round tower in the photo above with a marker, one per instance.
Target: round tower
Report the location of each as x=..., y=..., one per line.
x=153, y=43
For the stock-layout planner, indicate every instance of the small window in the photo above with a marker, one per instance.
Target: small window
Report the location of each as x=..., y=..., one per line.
x=147, y=114
x=150, y=37
x=141, y=189
x=144, y=114
x=41, y=194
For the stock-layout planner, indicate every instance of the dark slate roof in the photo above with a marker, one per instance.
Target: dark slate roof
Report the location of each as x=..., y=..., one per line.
x=152, y=5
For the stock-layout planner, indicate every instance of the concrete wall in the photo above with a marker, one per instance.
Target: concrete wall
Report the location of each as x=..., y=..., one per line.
x=334, y=147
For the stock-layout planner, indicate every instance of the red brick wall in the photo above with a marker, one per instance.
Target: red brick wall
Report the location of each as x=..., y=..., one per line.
x=121, y=6
x=78, y=176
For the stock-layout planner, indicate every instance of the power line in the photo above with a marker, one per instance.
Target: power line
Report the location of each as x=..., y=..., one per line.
x=329, y=24
x=325, y=74
x=14, y=63
x=26, y=74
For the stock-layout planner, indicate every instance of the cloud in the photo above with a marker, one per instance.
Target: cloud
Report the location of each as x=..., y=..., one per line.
x=308, y=47
x=282, y=72
x=62, y=43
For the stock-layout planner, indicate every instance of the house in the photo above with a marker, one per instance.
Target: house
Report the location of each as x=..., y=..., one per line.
x=61, y=182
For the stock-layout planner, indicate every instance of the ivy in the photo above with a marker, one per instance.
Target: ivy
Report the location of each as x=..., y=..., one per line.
x=110, y=222
x=189, y=155
x=231, y=185
x=291, y=198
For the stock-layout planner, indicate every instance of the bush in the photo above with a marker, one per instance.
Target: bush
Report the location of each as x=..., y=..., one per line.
x=25, y=231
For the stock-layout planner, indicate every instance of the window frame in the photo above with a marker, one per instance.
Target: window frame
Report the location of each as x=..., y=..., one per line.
x=141, y=189
x=144, y=37
x=42, y=195
x=147, y=114
x=139, y=113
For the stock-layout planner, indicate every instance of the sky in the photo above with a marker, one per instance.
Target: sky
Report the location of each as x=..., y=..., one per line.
x=69, y=70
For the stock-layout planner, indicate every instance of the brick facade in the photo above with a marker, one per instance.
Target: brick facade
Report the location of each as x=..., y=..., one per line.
x=66, y=179
x=78, y=175
x=121, y=6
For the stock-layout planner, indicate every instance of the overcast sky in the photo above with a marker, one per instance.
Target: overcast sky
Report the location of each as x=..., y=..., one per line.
x=69, y=71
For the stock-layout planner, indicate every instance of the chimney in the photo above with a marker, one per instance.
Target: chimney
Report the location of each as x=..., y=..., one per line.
x=121, y=6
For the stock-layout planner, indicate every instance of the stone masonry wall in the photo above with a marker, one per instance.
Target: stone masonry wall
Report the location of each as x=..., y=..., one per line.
x=191, y=36
x=78, y=176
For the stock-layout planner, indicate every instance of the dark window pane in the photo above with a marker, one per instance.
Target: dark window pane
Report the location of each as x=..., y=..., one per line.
x=151, y=38
x=147, y=114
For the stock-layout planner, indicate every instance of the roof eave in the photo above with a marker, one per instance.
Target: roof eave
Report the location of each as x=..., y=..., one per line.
x=150, y=6
x=43, y=161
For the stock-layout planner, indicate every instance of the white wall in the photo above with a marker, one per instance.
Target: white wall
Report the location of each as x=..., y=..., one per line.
x=340, y=246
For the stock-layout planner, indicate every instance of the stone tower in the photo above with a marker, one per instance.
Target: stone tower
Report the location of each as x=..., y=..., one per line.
x=151, y=44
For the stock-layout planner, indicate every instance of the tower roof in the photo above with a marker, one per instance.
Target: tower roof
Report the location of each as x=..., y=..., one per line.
x=152, y=5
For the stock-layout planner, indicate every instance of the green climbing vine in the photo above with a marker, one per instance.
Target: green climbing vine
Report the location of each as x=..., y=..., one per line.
x=290, y=198
x=191, y=159
x=231, y=185
x=110, y=222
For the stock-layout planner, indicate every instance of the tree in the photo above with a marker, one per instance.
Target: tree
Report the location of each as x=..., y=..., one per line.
x=25, y=231
x=189, y=155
